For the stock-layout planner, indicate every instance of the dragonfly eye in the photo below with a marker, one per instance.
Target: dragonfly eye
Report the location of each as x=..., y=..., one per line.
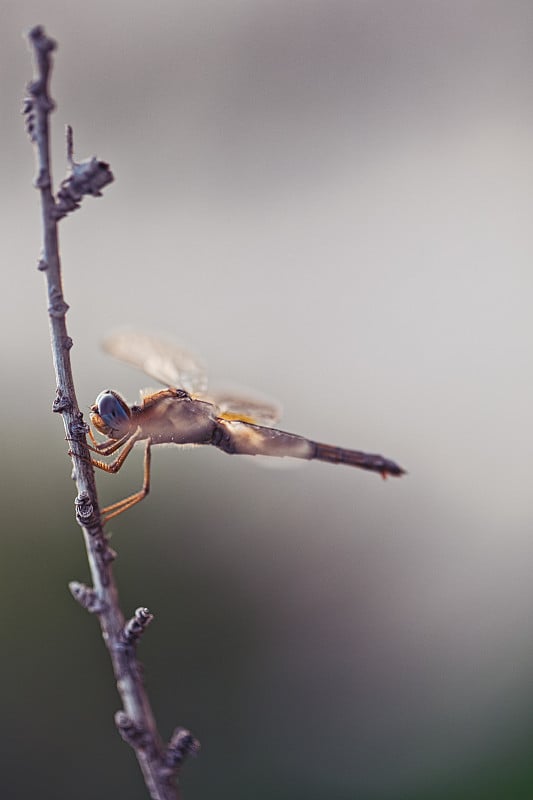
x=112, y=409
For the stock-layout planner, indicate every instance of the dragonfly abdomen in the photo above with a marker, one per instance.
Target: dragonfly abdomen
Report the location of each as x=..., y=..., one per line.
x=355, y=458
x=238, y=437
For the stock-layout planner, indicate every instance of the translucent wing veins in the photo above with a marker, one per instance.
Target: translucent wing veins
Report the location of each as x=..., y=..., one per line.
x=168, y=363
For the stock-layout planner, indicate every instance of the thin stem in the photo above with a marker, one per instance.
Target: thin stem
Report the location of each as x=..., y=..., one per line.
x=136, y=721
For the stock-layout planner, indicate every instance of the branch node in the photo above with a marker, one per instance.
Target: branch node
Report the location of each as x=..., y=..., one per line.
x=42, y=265
x=78, y=428
x=39, y=101
x=43, y=44
x=58, y=308
x=109, y=555
x=135, y=627
x=28, y=110
x=86, y=597
x=100, y=545
x=84, y=508
x=62, y=402
x=181, y=745
x=133, y=734
x=86, y=177
x=42, y=181
x=67, y=343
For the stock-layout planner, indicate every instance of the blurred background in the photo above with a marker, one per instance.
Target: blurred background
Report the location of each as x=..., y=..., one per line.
x=331, y=202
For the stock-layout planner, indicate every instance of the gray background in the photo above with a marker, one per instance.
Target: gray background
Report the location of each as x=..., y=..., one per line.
x=331, y=202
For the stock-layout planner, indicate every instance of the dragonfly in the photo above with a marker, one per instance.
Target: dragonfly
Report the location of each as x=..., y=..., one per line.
x=185, y=414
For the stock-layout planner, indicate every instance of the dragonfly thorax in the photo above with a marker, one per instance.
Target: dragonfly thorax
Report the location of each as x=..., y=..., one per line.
x=110, y=414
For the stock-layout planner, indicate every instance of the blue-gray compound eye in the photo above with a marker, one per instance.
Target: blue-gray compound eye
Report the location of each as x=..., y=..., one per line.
x=110, y=409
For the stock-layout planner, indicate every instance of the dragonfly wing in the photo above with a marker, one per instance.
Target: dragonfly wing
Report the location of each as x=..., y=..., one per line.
x=245, y=405
x=166, y=362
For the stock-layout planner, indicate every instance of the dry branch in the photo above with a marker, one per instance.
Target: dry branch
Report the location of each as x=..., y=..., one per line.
x=135, y=722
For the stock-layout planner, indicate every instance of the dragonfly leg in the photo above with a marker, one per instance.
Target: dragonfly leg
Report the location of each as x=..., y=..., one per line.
x=118, y=462
x=127, y=502
x=108, y=447
x=104, y=448
x=92, y=438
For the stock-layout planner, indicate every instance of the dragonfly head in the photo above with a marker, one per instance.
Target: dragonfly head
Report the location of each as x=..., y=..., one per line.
x=110, y=414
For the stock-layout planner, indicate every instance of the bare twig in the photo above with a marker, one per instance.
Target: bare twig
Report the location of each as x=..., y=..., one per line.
x=136, y=723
